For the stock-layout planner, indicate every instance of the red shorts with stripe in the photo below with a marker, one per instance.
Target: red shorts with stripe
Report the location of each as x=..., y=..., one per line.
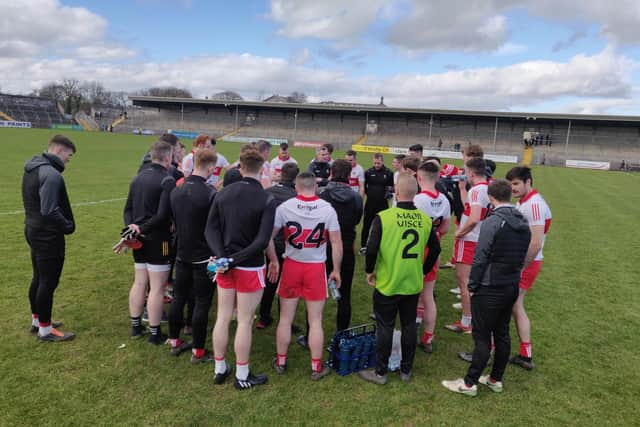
x=304, y=280
x=433, y=274
x=242, y=279
x=463, y=251
x=529, y=274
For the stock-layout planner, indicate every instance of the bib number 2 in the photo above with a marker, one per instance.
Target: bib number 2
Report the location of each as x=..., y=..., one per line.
x=412, y=239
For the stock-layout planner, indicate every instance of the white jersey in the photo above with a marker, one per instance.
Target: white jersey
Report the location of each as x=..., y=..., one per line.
x=221, y=163
x=307, y=222
x=435, y=205
x=187, y=164
x=535, y=209
x=277, y=163
x=477, y=196
x=357, y=177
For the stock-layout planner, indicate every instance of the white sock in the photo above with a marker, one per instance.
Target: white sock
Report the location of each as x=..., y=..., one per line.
x=221, y=366
x=242, y=371
x=466, y=321
x=44, y=330
x=34, y=322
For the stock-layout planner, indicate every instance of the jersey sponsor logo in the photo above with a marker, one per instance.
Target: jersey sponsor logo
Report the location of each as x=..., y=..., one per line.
x=409, y=219
x=306, y=207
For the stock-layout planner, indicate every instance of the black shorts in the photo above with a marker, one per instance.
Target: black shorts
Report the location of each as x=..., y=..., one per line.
x=156, y=250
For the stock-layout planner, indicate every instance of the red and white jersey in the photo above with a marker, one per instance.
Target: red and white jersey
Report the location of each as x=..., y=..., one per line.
x=266, y=168
x=221, y=163
x=187, y=164
x=277, y=163
x=536, y=210
x=307, y=222
x=434, y=204
x=357, y=177
x=477, y=196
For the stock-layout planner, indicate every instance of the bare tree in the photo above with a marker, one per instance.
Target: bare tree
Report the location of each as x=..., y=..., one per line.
x=227, y=95
x=166, y=91
x=297, y=97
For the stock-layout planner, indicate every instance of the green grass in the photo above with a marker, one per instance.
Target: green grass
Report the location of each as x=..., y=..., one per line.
x=584, y=310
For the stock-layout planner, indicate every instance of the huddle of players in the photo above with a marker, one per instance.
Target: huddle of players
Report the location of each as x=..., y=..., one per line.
x=243, y=221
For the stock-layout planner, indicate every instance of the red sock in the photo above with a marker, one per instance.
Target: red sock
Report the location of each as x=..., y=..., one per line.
x=316, y=365
x=420, y=312
x=427, y=338
x=525, y=349
x=198, y=352
x=282, y=359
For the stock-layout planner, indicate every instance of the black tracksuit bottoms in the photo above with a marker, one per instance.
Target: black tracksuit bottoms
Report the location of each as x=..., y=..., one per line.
x=47, y=259
x=191, y=279
x=491, y=310
x=371, y=209
x=387, y=309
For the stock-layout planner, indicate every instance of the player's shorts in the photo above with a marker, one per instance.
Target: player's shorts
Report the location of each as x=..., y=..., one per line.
x=433, y=274
x=243, y=279
x=463, y=251
x=156, y=251
x=529, y=274
x=303, y=280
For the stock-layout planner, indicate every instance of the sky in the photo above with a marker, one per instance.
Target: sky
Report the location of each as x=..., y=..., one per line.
x=564, y=56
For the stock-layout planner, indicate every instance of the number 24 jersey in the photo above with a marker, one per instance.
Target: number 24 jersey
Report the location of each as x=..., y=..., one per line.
x=307, y=222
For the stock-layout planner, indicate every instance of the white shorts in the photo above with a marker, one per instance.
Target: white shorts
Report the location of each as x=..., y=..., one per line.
x=153, y=268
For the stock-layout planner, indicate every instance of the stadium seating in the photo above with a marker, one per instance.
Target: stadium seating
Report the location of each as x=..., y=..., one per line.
x=41, y=112
x=600, y=141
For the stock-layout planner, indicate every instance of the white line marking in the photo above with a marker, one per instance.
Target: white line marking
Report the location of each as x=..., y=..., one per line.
x=96, y=202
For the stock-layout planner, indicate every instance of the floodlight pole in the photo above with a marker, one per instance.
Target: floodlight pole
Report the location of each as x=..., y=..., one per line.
x=566, y=144
x=495, y=135
x=295, y=124
x=236, y=128
x=430, y=128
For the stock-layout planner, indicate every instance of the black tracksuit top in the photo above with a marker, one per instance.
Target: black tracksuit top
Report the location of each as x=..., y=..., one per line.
x=240, y=223
x=376, y=183
x=190, y=204
x=148, y=203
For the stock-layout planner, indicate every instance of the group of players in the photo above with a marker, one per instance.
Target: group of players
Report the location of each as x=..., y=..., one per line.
x=289, y=232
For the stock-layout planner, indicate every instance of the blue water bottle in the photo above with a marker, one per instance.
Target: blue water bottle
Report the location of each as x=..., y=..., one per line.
x=364, y=356
x=345, y=353
x=333, y=289
x=355, y=354
x=213, y=266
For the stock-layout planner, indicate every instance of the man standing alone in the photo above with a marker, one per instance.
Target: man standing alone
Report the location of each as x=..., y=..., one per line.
x=48, y=217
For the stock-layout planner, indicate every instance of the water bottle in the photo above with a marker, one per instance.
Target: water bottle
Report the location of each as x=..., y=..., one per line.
x=345, y=352
x=355, y=354
x=333, y=289
x=364, y=356
x=213, y=266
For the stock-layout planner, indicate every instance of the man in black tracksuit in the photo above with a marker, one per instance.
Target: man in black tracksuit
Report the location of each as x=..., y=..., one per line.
x=284, y=190
x=378, y=186
x=494, y=279
x=348, y=205
x=147, y=213
x=48, y=217
x=174, y=170
x=321, y=168
x=190, y=205
x=239, y=226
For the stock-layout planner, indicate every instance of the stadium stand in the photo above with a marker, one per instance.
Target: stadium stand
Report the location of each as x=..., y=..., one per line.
x=598, y=138
x=41, y=112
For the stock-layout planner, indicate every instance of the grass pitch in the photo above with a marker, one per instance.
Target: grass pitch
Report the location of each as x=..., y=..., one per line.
x=584, y=310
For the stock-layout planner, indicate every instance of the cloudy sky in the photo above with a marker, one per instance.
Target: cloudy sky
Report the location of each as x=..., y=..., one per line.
x=521, y=55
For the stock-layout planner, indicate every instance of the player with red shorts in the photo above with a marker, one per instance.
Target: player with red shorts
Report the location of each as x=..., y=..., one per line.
x=307, y=221
x=476, y=208
x=536, y=210
x=239, y=226
x=436, y=205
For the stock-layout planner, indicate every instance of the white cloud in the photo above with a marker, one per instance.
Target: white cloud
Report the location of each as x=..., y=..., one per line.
x=35, y=27
x=326, y=20
x=605, y=76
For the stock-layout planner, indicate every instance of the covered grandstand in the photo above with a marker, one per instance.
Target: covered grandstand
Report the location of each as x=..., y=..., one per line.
x=40, y=112
x=557, y=137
